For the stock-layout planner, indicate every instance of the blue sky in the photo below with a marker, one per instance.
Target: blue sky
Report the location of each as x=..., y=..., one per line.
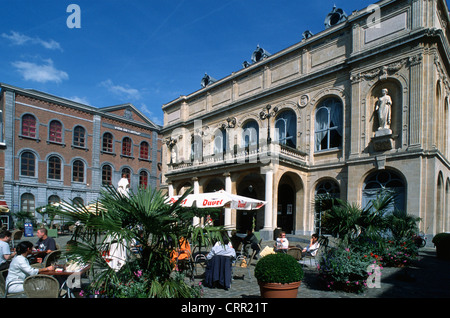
x=145, y=52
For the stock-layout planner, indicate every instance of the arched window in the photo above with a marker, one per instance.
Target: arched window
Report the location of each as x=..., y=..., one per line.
x=29, y=126
x=107, y=174
x=126, y=147
x=79, y=137
x=328, y=125
x=325, y=190
x=78, y=171
x=143, y=179
x=286, y=128
x=27, y=164
x=144, y=150
x=220, y=141
x=250, y=135
x=107, y=143
x=55, y=131
x=196, y=148
x=53, y=199
x=385, y=181
x=27, y=203
x=78, y=201
x=54, y=168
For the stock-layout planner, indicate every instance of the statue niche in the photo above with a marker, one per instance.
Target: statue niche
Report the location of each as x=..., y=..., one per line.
x=382, y=114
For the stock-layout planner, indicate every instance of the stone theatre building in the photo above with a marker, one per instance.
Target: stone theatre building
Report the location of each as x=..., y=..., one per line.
x=54, y=149
x=360, y=107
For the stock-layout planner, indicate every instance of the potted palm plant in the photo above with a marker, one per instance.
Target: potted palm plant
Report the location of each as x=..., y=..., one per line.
x=279, y=276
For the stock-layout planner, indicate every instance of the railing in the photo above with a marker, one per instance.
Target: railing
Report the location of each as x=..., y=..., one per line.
x=262, y=154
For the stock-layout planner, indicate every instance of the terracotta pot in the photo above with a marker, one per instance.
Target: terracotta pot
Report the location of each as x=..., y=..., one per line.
x=277, y=290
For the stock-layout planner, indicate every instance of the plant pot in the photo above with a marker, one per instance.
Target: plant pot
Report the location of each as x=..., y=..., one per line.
x=277, y=290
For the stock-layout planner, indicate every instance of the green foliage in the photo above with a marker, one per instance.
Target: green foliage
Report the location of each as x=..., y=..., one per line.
x=348, y=221
x=441, y=238
x=366, y=236
x=278, y=268
x=345, y=268
x=395, y=253
x=120, y=218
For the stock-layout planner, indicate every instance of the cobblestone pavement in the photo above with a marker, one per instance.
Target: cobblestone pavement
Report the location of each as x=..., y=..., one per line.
x=428, y=277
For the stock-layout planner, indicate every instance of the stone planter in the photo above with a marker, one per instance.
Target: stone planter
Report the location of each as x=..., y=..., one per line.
x=277, y=290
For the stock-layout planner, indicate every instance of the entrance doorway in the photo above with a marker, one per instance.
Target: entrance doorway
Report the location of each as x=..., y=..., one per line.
x=251, y=186
x=286, y=207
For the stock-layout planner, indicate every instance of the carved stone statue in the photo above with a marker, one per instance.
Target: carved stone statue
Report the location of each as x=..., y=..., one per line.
x=383, y=109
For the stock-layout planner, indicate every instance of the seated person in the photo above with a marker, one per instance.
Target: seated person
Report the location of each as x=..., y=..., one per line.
x=313, y=247
x=20, y=268
x=235, y=240
x=250, y=241
x=182, y=252
x=44, y=242
x=5, y=251
x=282, y=243
x=223, y=249
x=218, y=269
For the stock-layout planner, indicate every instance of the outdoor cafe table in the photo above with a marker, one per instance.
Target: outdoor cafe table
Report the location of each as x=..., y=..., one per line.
x=63, y=275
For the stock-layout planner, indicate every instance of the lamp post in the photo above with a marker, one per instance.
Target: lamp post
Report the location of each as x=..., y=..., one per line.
x=267, y=114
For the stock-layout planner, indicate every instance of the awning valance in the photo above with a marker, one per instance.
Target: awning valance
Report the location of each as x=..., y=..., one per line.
x=3, y=207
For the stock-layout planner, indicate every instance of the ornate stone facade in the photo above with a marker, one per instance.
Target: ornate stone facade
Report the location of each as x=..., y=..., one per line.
x=324, y=134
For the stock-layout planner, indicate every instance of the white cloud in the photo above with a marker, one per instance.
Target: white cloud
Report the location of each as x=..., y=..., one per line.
x=81, y=100
x=145, y=109
x=40, y=73
x=17, y=38
x=121, y=90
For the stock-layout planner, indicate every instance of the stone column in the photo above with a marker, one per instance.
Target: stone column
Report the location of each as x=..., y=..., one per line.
x=170, y=189
x=267, y=231
x=227, y=221
x=196, y=220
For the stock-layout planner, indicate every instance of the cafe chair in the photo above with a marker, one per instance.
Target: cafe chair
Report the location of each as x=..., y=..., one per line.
x=48, y=260
x=41, y=286
x=16, y=236
x=4, y=288
x=218, y=272
x=296, y=252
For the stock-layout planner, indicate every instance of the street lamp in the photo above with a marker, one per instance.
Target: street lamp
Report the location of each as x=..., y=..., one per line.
x=267, y=114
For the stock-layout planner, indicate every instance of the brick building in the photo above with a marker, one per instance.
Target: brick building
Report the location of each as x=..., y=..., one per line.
x=54, y=149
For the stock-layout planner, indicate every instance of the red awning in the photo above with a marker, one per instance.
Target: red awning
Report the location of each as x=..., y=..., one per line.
x=3, y=207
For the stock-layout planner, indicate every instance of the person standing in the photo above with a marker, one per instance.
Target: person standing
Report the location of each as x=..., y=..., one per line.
x=123, y=185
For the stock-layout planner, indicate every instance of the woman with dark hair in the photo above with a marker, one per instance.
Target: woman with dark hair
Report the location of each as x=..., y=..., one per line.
x=20, y=268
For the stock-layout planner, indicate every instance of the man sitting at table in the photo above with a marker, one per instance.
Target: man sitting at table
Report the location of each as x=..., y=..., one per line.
x=45, y=243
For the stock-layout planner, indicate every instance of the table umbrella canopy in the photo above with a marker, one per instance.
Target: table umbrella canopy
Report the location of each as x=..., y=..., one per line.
x=218, y=199
x=3, y=207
